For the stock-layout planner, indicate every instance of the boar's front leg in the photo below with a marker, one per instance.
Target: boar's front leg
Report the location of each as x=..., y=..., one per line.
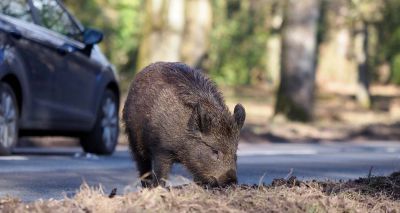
x=162, y=163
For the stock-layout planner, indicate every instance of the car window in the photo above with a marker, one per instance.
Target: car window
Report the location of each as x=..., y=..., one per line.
x=16, y=8
x=55, y=18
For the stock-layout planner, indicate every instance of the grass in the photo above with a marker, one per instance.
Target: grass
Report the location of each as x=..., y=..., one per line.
x=373, y=194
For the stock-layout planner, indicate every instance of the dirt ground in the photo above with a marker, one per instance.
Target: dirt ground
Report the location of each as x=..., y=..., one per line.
x=371, y=194
x=338, y=117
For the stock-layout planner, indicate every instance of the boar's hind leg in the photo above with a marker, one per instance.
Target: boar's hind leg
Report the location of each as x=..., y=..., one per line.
x=162, y=165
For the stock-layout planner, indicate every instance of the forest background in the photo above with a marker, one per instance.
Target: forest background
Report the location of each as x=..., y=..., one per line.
x=331, y=66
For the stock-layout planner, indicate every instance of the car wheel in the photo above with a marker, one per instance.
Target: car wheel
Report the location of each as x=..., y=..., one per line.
x=8, y=119
x=104, y=136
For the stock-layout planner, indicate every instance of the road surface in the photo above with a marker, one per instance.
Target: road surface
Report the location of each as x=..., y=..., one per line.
x=34, y=173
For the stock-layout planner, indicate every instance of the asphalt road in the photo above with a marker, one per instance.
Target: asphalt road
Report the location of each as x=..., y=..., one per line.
x=54, y=173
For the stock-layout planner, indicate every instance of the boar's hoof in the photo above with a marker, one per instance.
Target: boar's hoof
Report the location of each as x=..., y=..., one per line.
x=149, y=183
x=210, y=182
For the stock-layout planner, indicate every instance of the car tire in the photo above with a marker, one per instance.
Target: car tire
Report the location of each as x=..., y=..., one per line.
x=9, y=116
x=104, y=136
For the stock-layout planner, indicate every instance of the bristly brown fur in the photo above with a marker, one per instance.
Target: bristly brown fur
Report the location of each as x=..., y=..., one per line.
x=174, y=113
x=193, y=83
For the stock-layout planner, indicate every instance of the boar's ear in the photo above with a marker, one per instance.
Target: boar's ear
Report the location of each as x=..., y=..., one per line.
x=199, y=120
x=240, y=115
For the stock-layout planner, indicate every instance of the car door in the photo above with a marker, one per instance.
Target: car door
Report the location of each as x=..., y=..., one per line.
x=75, y=84
x=39, y=57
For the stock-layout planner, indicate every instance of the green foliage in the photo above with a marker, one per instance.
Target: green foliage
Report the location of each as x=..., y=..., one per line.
x=389, y=34
x=239, y=36
x=238, y=43
x=389, y=38
x=121, y=22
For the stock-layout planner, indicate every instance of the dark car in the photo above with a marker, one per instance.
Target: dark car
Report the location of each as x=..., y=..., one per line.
x=54, y=80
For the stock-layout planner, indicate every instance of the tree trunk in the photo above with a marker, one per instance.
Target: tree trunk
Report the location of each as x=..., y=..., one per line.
x=274, y=44
x=335, y=64
x=361, y=52
x=162, y=36
x=344, y=55
x=197, y=30
x=295, y=98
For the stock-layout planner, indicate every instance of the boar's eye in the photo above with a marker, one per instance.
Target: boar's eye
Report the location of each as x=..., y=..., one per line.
x=216, y=155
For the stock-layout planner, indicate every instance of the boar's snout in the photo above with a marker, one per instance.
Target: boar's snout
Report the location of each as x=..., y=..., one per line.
x=228, y=178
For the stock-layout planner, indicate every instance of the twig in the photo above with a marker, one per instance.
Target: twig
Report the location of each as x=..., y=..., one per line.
x=370, y=173
x=289, y=174
x=113, y=193
x=261, y=179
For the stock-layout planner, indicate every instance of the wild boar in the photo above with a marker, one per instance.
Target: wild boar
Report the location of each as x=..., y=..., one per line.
x=175, y=114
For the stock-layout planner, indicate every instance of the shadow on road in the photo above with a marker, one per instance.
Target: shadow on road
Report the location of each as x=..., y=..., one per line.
x=60, y=151
x=48, y=146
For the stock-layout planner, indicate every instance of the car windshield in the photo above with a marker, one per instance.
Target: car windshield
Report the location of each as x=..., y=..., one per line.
x=16, y=8
x=55, y=18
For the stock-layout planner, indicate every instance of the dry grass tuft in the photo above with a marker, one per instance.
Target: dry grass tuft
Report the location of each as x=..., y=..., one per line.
x=374, y=194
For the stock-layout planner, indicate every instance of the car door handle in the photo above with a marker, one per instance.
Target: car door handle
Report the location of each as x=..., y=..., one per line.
x=15, y=34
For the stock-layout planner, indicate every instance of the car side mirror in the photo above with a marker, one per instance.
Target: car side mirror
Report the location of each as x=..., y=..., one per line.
x=92, y=37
